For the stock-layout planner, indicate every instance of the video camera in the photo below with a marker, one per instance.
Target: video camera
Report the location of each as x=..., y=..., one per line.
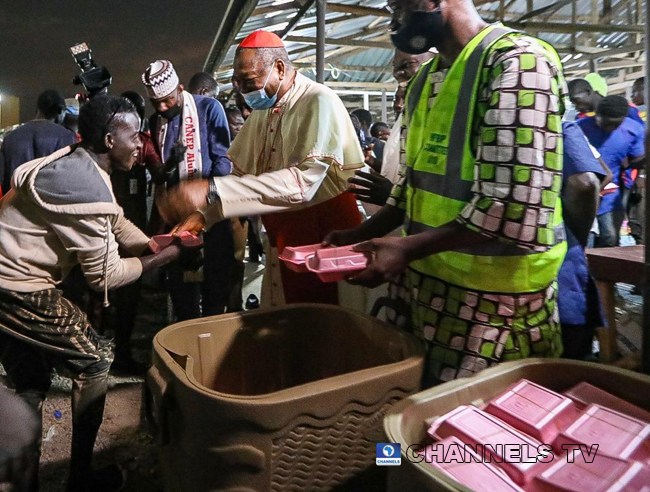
x=93, y=78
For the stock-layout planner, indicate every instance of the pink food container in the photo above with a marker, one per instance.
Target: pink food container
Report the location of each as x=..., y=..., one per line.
x=515, y=452
x=161, y=241
x=584, y=394
x=470, y=470
x=616, y=434
x=334, y=264
x=535, y=410
x=598, y=473
x=295, y=257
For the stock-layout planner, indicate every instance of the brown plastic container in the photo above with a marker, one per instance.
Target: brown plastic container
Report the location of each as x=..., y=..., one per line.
x=406, y=422
x=287, y=399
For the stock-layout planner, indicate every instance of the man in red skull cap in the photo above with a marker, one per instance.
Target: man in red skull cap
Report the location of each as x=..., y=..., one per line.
x=291, y=162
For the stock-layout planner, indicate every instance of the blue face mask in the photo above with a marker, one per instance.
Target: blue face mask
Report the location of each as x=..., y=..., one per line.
x=259, y=99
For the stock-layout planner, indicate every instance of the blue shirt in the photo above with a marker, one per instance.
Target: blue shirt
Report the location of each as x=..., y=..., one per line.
x=38, y=138
x=624, y=142
x=577, y=296
x=635, y=114
x=215, y=136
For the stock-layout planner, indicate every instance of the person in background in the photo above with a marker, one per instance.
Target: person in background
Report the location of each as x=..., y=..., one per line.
x=130, y=188
x=482, y=250
x=244, y=108
x=586, y=100
x=380, y=130
x=636, y=206
x=398, y=101
x=196, y=128
x=235, y=121
x=365, y=118
x=19, y=441
x=292, y=160
x=373, y=147
x=375, y=189
x=583, y=175
x=638, y=97
x=240, y=228
x=203, y=84
x=62, y=206
x=71, y=120
x=586, y=94
x=255, y=233
x=616, y=137
x=42, y=136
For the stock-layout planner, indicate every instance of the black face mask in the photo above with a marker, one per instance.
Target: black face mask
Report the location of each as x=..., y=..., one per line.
x=421, y=32
x=171, y=113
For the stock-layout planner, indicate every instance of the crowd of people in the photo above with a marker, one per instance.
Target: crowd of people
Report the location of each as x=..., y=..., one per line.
x=495, y=187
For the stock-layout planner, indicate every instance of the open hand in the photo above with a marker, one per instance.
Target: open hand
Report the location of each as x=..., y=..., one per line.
x=370, y=188
x=389, y=261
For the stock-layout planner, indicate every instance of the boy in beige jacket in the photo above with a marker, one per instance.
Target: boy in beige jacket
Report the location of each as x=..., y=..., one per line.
x=61, y=212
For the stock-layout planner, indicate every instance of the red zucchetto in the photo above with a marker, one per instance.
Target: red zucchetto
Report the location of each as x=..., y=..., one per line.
x=262, y=39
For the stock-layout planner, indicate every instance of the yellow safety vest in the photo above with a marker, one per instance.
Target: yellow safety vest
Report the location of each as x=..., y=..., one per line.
x=440, y=175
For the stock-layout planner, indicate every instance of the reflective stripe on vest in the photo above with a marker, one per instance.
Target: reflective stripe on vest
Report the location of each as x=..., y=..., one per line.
x=440, y=177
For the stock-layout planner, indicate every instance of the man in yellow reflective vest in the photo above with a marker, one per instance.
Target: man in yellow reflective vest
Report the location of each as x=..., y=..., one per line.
x=478, y=195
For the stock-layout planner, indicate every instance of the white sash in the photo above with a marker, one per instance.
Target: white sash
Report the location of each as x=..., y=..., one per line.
x=190, y=133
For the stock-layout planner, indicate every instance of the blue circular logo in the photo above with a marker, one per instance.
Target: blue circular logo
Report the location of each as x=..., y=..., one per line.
x=388, y=451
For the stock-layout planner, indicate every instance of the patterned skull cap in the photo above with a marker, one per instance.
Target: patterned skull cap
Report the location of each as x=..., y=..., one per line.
x=160, y=79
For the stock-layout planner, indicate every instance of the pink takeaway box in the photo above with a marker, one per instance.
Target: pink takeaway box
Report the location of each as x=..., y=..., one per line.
x=473, y=475
x=480, y=429
x=295, y=258
x=585, y=394
x=616, y=434
x=535, y=410
x=454, y=409
x=162, y=241
x=330, y=264
x=334, y=264
x=602, y=474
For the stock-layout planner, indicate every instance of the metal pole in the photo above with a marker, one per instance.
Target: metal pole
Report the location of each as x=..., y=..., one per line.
x=321, y=10
x=384, y=106
x=645, y=343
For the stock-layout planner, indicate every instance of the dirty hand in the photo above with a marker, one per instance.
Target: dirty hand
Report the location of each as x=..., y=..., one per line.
x=370, y=188
x=389, y=261
x=176, y=203
x=194, y=224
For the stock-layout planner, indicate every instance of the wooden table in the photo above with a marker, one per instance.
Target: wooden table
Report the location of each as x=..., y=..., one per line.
x=608, y=266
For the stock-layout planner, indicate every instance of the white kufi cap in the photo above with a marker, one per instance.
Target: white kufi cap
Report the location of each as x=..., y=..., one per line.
x=160, y=79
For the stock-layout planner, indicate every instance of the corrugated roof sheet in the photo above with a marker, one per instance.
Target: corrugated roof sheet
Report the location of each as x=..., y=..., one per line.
x=375, y=59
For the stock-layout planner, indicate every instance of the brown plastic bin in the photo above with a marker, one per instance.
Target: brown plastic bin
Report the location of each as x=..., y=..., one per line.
x=287, y=399
x=405, y=422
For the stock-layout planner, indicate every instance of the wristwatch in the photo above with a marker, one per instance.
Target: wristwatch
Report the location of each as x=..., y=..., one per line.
x=213, y=195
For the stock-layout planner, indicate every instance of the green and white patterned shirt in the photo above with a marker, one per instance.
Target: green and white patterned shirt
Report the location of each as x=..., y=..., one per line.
x=517, y=126
x=516, y=129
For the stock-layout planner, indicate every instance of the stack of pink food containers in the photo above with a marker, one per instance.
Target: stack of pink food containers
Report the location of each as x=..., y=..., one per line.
x=330, y=264
x=533, y=439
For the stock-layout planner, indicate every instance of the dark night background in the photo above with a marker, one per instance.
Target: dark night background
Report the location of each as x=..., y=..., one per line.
x=125, y=36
